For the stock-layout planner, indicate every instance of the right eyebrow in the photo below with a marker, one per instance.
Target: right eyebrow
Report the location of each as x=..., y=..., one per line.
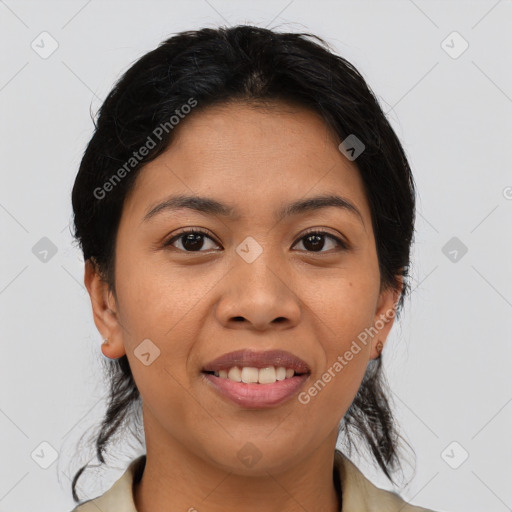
x=197, y=203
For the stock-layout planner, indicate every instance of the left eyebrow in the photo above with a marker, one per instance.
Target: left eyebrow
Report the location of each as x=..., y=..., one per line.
x=212, y=206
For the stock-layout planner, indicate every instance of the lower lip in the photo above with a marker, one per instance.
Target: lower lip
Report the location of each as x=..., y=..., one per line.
x=257, y=395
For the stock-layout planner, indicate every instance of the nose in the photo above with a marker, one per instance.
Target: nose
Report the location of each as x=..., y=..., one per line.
x=258, y=296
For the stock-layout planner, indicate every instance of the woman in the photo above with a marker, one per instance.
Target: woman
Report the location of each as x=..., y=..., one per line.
x=246, y=214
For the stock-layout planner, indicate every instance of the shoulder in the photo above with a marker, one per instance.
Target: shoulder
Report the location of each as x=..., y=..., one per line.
x=119, y=498
x=358, y=493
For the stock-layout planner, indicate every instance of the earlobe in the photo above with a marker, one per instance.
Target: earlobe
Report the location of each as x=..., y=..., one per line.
x=384, y=318
x=105, y=317
x=112, y=350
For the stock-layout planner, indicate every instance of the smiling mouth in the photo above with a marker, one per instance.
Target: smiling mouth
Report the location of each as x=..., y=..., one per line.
x=256, y=388
x=256, y=379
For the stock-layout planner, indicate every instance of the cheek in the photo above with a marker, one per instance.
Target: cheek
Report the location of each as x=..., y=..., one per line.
x=345, y=311
x=346, y=302
x=161, y=304
x=346, y=351
x=155, y=299
x=155, y=306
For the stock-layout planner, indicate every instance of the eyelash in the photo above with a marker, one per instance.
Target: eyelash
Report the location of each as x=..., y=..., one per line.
x=341, y=243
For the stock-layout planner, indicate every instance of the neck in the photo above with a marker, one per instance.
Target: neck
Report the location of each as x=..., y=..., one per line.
x=174, y=478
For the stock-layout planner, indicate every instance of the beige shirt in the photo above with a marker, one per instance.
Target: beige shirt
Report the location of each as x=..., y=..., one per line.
x=358, y=493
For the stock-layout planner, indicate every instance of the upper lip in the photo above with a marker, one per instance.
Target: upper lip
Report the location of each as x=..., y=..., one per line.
x=250, y=358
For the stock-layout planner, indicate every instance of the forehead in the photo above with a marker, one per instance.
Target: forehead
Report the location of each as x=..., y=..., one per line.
x=265, y=131
x=252, y=155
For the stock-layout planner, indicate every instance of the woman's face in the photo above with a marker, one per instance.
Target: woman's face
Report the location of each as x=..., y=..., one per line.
x=253, y=279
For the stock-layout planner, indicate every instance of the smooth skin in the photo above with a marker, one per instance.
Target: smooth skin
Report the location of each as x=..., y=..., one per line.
x=195, y=305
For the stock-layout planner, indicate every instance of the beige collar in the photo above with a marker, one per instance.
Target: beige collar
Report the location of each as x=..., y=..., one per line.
x=358, y=493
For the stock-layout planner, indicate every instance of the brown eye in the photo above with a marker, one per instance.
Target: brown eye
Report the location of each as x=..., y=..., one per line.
x=192, y=241
x=315, y=241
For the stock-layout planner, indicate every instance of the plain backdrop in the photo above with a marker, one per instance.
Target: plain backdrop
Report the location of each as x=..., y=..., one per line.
x=441, y=71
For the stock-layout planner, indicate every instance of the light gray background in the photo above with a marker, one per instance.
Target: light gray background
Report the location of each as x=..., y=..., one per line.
x=448, y=359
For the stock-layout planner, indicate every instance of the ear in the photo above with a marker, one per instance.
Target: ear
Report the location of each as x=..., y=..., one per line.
x=105, y=318
x=384, y=318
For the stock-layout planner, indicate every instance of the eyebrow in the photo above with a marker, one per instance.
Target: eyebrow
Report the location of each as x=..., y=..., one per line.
x=211, y=206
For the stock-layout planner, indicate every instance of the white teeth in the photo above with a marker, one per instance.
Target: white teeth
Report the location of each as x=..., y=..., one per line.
x=235, y=374
x=267, y=375
x=281, y=373
x=249, y=374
